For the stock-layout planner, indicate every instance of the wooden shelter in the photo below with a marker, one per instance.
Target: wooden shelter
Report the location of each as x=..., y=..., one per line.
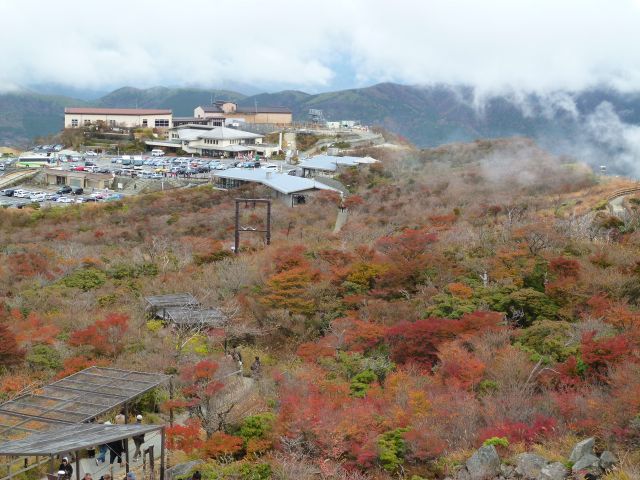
x=183, y=310
x=70, y=402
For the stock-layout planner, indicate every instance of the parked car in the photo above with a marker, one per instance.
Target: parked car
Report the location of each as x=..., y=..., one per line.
x=65, y=200
x=52, y=197
x=87, y=163
x=90, y=153
x=8, y=192
x=22, y=194
x=38, y=197
x=65, y=189
x=78, y=191
x=156, y=152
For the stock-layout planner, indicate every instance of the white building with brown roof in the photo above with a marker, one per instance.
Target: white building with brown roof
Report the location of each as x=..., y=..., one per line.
x=75, y=117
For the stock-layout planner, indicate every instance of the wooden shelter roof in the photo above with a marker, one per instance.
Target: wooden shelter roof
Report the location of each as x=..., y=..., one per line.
x=70, y=438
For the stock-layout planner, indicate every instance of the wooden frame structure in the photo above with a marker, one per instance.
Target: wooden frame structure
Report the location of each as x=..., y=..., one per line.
x=239, y=229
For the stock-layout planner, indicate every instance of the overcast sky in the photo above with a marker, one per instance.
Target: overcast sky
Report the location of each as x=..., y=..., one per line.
x=321, y=45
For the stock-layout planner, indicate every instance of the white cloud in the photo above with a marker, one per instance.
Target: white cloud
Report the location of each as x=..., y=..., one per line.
x=538, y=45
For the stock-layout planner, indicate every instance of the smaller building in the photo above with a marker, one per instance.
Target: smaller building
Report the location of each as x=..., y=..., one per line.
x=289, y=188
x=75, y=117
x=225, y=110
x=330, y=165
x=209, y=140
x=86, y=180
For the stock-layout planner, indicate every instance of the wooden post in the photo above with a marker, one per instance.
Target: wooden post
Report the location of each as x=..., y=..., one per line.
x=152, y=471
x=126, y=454
x=162, y=453
x=51, y=464
x=77, y=455
x=171, y=398
x=236, y=247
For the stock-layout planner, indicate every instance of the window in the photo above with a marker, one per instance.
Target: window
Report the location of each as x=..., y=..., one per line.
x=145, y=123
x=174, y=135
x=87, y=123
x=74, y=122
x=112, y=123
x=161, y=122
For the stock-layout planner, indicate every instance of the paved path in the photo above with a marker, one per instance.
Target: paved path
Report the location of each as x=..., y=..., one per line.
x=341, y=219
x=617, y=207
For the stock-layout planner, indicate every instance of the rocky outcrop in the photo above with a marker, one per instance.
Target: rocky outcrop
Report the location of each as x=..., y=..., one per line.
x=485, y=464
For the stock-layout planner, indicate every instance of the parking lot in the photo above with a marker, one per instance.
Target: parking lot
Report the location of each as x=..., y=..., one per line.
x=135, y=166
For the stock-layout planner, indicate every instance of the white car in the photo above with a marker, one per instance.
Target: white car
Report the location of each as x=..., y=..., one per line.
x=38, y=197
x=65, y=200
x=222, y=166
x=91, y=153
x=22, y=194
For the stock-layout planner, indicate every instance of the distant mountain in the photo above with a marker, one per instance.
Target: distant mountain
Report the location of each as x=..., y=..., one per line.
x=26, y=114
x=598, y=124
x=181, y=100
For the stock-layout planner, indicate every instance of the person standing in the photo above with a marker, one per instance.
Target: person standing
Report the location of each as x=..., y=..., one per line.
x=138, y=440
x=115, y=452
x=102, y=456
x=66, y=467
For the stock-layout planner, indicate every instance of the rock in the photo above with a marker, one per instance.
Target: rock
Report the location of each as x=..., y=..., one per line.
x=506, y=470
x=528, y=465
x=462, y=474
x=607, y=460
x=182, y=469
x=585, y=447
x=484, y=464
x=553, y=471
x=586, y=462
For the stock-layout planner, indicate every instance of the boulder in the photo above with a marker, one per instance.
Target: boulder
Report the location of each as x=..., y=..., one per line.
x=607, y=460
x=506, y=470
x=462, y=474
x=484, y=464
x=529, y=465
x=585, y=447
x=553, y=471
x=586, y=462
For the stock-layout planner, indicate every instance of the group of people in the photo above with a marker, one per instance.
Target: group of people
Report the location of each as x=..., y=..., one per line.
x=117, y=447
x=256, y=366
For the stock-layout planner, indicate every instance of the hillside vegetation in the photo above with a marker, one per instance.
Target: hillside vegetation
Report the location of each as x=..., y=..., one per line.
x=477, y=291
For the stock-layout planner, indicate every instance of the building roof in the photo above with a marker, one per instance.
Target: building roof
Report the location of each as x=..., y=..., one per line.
x=70, y=438
x=114, y=111
x=171, y=300
x=330, y=162
x=215, y=133
x=262, y=110
x=280, y=182
x=73, y=399
x=245, y=110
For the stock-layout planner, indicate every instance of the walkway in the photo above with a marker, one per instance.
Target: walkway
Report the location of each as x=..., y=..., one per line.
x=341, y=219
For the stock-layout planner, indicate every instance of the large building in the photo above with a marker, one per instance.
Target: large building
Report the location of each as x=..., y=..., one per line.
x=213, y=141
x=75, y=117
x=224, y=111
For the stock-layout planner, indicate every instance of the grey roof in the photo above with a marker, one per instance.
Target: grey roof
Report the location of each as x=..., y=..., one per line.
x=185, y=316
x=280, y=182
x=74, y=399
x=216, y=133
x=330, y=162
x=171, y=300
x=211, y=108
x=70, y=438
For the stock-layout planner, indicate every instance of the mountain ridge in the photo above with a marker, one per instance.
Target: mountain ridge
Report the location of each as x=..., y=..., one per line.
x=595, y=121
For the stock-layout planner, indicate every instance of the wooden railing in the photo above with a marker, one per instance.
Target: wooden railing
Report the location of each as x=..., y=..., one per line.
x=623, y=192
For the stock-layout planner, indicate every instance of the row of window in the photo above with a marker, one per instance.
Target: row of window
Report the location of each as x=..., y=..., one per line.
x=209, y=141
x=158, y=123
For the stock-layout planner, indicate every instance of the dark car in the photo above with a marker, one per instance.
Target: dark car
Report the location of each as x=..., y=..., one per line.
x=78, y=191
x=8, y=192
x=87, y=163
x=65, y=189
